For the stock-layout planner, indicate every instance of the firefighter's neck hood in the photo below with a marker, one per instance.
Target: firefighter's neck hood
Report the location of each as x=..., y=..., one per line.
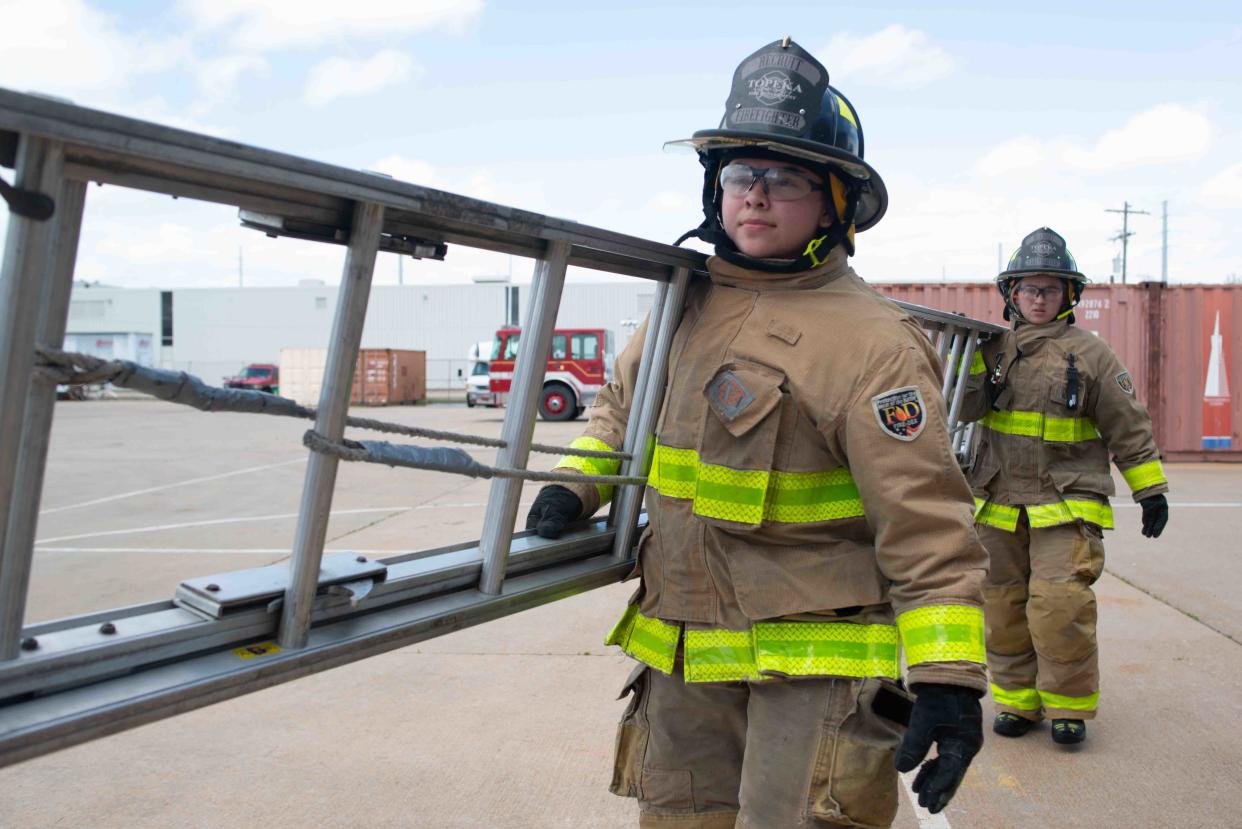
x=733, y=275
x=1029, y=337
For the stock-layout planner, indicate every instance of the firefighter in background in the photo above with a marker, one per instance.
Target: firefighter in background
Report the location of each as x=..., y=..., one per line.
x=1054, y=402
x=805, y=508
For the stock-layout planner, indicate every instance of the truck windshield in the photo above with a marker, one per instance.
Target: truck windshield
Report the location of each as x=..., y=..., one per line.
x=506, y=348
x=254, y=371
x=479, y=368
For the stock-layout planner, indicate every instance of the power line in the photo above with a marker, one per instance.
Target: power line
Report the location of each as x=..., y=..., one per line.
x=1124, y=235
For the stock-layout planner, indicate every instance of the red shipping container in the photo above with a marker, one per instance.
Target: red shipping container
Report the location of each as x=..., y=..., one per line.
x=1179, y=343
x=390, y=376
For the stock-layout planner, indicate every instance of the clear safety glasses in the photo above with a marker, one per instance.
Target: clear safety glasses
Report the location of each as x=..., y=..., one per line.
x=1030, y=292
x=779, y=184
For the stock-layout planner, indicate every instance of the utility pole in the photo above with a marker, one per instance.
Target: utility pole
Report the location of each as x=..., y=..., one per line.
x=400, y=269
x=1125, y=233
x=1164, y=242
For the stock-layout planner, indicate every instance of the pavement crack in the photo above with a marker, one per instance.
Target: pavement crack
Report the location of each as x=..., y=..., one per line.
x=1140, y=588
x=399, y=511
x=512, y=653
x=367, y=525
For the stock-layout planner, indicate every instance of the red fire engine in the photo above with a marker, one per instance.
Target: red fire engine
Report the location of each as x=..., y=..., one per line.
x=579, y=364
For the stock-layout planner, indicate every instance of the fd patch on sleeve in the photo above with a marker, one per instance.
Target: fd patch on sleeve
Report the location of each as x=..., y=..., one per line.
x=901, y=412
x=1125, y=382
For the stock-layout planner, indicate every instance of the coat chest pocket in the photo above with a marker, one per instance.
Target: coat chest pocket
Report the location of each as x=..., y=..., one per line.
x=738, y=444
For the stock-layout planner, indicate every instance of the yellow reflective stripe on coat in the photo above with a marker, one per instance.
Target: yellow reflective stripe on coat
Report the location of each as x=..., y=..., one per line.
x=769, y=648
x=1069, y=511
x=1037, y=425
x=1023, y=699
x=942, y=633
x=650, y=641
x=1087, y=703
x=1144, y=475
x=752, y=496
x=977, y=366
x=826, y=649
x=997, y=515
x=592, y=466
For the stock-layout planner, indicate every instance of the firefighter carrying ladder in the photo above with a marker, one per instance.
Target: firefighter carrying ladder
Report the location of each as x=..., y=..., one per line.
x=72, y=680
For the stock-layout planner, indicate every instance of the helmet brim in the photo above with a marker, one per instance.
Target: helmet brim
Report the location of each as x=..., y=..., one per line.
x=873, y=198
x=1019, y=272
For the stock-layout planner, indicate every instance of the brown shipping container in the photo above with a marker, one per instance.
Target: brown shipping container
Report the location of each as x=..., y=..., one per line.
x=1179, y=343
x=390, y=376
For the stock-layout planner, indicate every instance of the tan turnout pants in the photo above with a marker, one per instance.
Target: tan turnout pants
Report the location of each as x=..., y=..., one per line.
x=1041, y=618
x=773, y=754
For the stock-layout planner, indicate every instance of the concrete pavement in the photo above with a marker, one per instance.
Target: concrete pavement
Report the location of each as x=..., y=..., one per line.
x=511, y=724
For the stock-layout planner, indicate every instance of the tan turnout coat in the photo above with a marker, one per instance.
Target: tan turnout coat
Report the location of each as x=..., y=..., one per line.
x=804, y=380
x=1035, y=448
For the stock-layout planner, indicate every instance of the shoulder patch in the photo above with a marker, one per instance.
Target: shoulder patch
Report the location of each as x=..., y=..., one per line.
x=1125, y=382
x=901, y=412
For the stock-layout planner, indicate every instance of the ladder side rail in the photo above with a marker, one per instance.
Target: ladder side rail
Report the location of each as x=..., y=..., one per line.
x=40, y=725
x=27, y=255
x=640, y=389
x=74, y=653
x=960, y=377
x=320, y=480
x=520, y=412
x=50, y=323
x=641, y=427
x=943, y=342
x=955, y=353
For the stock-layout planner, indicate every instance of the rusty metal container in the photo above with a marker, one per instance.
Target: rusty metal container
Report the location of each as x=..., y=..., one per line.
x=1179, y=343
x=1202, y=357
x=390, y=376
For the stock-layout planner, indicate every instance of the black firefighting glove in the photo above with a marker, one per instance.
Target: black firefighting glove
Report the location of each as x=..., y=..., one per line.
x=554, y=507
x=950, y=716
x=1155, y=515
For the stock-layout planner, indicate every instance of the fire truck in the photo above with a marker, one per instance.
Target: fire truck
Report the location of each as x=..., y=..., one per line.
x=579, y=364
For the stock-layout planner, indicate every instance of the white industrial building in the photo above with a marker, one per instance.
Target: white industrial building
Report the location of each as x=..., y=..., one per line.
x=214, y=332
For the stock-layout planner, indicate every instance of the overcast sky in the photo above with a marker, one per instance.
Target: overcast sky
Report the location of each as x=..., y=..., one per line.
x=985, y=120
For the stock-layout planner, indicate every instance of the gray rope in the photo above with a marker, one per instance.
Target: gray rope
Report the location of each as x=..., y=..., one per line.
x=72, y=368
x=442, y=459
x=454, y=437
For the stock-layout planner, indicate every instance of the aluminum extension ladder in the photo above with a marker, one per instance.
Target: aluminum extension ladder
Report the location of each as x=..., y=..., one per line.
x=72, y=680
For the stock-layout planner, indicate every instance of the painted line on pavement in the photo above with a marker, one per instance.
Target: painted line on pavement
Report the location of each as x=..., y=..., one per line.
x=1205, y=504
x=250, y=519
x=926, y=819
x=215, y=551
x=137, y=492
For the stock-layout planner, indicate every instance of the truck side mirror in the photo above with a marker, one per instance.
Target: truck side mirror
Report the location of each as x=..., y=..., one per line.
x=459, y=372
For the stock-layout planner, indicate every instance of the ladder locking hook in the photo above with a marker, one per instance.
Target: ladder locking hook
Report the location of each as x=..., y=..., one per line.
x=28, y=203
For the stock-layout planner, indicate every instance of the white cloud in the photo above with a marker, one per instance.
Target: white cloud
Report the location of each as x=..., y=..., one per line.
x=1161, y=135
x=1018, y=154
x=669, y=202
x=411, y=170
x=288, y=24
x=337, y=78
x=895, y=57
x=1164, y=133
x=65, y=47
x=1224, y=188
x=218, y=77
x=476, y=183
